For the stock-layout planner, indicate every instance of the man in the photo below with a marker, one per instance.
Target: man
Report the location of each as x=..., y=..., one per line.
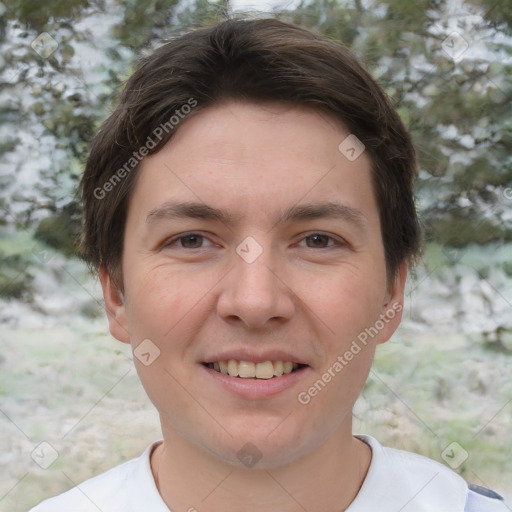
x=249, y=209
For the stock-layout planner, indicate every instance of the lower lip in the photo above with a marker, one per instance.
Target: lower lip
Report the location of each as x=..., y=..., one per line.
x=256, y=389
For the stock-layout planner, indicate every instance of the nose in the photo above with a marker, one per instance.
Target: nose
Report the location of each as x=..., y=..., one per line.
x=256, y=291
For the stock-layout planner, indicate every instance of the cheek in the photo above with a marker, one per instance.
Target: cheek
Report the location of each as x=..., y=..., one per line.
x=162, y=298
x=329, y=399
x=344, y=302
x=163, y=384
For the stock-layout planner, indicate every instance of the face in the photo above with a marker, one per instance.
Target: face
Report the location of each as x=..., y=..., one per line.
x=251, y=237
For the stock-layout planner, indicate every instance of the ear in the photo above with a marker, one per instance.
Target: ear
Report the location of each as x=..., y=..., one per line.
x=115, y=307
x=392, y=309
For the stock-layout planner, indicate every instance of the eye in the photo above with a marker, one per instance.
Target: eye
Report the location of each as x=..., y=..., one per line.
x=195, y=241
x=320, y=241
x=186, y=241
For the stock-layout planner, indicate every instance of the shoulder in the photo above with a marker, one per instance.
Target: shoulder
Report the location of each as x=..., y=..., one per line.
x=481, y=499
x=410, y=482
x=92, y=494
x=119, y=489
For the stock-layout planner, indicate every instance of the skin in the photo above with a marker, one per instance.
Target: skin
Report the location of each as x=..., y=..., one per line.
x=309, y=296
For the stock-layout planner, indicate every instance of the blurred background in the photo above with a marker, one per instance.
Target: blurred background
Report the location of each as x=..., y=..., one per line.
x=71, y=405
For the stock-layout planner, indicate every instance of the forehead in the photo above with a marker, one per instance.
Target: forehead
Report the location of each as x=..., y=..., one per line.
x=256, y=160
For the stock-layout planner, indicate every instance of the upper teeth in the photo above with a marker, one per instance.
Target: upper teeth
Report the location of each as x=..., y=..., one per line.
x=248, y=369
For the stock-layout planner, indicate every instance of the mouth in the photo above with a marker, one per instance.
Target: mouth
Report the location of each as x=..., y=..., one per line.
x=265, y=370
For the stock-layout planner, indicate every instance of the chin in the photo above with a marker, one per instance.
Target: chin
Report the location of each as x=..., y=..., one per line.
x=262, y=452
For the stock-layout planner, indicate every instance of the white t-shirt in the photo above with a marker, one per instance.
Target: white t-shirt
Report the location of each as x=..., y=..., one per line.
x=396, y=481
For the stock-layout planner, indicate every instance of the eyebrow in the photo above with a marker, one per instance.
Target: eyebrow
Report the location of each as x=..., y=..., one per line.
x=328, y=209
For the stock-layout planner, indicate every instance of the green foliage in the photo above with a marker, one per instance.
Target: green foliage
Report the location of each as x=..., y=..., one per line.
x=469, y=99
x=457, y=111
x=479, y=174
x=65, y=122
x=329, y=17
x=15, y=278
x=201, y=13
x=38, y=13
x=141, y=17
x=15, y=275
x=459, y=229
x=61, y=231
x=497, y=12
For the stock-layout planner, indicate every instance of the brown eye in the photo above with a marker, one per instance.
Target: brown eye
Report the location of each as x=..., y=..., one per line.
x=318, y=241
x=321, y=241
x=186, y=241
x=195, y=241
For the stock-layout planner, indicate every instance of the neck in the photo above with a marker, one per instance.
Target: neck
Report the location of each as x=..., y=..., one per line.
x=328, y=478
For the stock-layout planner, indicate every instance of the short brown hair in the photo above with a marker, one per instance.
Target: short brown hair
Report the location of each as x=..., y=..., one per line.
x=257, y=61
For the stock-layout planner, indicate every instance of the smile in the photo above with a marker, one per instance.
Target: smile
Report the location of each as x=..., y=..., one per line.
x=250, y=370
